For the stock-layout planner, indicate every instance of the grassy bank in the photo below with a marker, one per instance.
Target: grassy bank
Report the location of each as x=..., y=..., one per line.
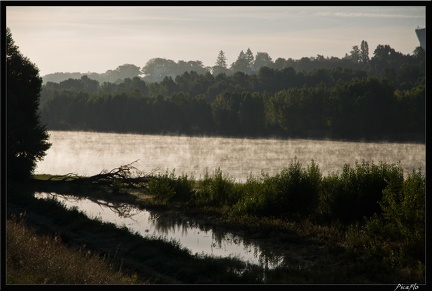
x=369, y=220
x=33, y=258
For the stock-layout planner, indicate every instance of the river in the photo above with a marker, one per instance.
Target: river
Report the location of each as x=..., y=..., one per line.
x=89, y=153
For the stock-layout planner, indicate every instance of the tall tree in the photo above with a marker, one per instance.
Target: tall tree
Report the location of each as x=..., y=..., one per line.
x=364, y=52
x=262, y=60
x=157, y=68
x=27, y=138
x=241, y=64
x=355, y=54
x=221, y=60
x=249, y=57
x=196, y=66
x=221, y=66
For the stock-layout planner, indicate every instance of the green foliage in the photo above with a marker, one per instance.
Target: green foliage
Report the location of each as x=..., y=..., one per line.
x=385, y=221
x=221, y=60
x=357, y=191
x=27, y=139
x=343, y=102
x=292, y=191
x=397, y=236
x=404, y=209
x=184, y=188
x=297, y=188
x=217, y=189
x=257, y=196
x=409, y=107
x=162, y=187
x=168, y=187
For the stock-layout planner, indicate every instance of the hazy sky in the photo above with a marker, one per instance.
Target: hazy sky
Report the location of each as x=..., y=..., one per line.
x=100, y=38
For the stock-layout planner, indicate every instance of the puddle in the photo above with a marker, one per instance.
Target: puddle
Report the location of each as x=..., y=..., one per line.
x=186, y=233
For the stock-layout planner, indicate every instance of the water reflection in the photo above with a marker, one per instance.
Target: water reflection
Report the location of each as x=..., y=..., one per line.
x=197, y=238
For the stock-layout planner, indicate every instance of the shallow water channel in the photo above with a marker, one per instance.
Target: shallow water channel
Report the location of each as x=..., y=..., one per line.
x=187, y=234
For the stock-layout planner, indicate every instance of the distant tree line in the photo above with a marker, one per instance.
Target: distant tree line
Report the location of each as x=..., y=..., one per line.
x=354, y=98
x=386, y=61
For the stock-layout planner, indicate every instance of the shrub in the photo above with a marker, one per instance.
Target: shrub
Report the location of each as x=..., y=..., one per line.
x=162, y=187
x=258, y=196
x=356, y=192
x=217, y=189
x=403, y=207
x=397, y=236
x=297, y=188
x=183, y=188
x=292, y=191
x=167, y=187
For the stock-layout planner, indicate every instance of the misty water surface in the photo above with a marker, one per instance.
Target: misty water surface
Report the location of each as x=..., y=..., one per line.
x=88, y=153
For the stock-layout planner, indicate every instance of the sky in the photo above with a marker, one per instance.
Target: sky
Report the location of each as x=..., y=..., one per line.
x=100, y=38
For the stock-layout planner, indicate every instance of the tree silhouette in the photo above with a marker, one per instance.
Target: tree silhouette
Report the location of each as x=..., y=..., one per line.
x=220, y=66
x=221, y=60
x=242, y=64
x=364, y=52
x=262, y=60
x=27, y=138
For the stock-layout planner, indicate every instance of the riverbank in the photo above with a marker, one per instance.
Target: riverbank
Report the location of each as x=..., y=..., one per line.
x=322, y=249
x=159, y=262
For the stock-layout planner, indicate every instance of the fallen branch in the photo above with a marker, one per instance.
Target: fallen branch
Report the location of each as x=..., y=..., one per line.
x=125, y=174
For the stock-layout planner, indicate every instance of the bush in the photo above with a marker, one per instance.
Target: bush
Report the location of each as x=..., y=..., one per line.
x=217, y=189
x=168, y=188
x=356, y=192
x=258, y=196
x=403, y=209
x=292, y=191
x=397, y=236
x=297, y=188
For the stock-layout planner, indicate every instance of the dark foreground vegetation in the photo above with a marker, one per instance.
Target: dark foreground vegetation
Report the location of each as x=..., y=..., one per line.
x=34, y=258
x=369, y=221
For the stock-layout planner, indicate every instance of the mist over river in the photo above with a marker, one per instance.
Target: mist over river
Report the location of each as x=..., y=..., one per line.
x=89, y=153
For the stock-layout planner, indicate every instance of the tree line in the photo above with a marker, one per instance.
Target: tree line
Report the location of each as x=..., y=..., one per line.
x=340, y=103
x=385, y=61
